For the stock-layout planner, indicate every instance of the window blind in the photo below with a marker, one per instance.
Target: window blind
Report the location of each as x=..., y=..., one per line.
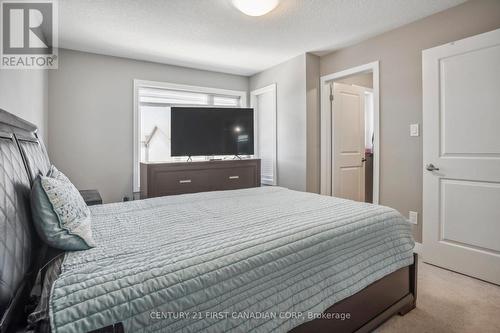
x=226, y=101
x=149, y=96
x=172, y=97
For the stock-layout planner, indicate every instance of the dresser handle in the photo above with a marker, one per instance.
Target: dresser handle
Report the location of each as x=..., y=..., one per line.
x=185, y=181
x=234, y=177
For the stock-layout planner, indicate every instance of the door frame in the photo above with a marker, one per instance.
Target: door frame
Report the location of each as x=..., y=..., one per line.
x=327, y=128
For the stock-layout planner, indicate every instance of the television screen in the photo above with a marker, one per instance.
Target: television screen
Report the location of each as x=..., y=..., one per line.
x=211, y=131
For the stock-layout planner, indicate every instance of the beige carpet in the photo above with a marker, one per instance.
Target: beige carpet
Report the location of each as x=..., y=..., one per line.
x=449, y=302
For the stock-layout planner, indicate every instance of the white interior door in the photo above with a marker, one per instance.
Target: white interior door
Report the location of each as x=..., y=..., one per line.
x=348, y=126
x=461, y=193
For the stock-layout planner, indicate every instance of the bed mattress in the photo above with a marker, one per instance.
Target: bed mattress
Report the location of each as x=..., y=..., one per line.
x=256, y=260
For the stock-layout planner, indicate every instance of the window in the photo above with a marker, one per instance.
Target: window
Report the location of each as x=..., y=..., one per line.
x=153, y=101
x=264, y=103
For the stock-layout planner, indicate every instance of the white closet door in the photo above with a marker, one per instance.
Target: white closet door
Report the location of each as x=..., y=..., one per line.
x=264, y=103
x=461, y=189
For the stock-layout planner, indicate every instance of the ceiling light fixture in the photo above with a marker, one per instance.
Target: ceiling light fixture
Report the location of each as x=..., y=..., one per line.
x=255, y=7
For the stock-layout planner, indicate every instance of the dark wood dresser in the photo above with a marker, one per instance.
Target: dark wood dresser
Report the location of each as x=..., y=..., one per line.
x=159, y=179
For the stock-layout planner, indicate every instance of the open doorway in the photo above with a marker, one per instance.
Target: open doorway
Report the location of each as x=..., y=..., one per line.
x=352, y=112
x=350, y=150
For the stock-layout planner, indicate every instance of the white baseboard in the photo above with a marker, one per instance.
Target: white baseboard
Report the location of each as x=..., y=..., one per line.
x=418, y=248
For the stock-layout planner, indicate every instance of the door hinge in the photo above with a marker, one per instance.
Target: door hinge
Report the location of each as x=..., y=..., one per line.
x=331, y=97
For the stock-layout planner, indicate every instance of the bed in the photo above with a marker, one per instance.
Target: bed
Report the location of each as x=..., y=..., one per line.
x=264, y=259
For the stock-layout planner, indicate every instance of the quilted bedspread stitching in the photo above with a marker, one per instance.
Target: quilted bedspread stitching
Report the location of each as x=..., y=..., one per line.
x=257, y=237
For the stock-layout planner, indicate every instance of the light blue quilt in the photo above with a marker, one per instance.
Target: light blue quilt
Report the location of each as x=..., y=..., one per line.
x=255, y=260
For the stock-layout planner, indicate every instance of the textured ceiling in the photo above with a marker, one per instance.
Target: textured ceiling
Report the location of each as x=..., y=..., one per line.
x=213, y=35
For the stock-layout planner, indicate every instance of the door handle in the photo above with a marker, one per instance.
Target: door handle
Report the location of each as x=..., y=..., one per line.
x=234, y=177
x=363, y=159
x=185, y=181
x=431, y=167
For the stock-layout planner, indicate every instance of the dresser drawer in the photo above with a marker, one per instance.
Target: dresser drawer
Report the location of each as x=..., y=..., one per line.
x=159, y=179
x=235, y=178
x=179, y=182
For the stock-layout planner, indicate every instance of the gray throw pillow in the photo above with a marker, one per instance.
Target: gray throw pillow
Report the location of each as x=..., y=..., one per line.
x=61, y=217
x=54, y=173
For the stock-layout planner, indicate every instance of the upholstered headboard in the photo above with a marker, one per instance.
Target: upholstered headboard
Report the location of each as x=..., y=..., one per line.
x=22, y=157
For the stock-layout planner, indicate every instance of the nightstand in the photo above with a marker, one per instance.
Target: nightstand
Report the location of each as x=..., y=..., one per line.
x=91, y=197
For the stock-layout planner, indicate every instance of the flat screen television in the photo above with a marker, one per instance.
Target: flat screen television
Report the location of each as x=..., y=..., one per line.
x=208, y=131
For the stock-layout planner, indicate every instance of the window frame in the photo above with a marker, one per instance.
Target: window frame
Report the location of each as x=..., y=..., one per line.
x=242, y=95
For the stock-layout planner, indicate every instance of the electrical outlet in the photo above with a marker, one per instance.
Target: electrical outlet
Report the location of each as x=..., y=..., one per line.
x=413, y=217
x=414, y=130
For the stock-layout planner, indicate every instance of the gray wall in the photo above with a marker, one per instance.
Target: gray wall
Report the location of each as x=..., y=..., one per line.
x=313, y=123
x=91, y=115
x=399, y=52
x=291, y=119
x=24, y=93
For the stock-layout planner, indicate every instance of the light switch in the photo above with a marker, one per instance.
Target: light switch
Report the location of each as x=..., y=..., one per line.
x=413, y=217
x=414, y=130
